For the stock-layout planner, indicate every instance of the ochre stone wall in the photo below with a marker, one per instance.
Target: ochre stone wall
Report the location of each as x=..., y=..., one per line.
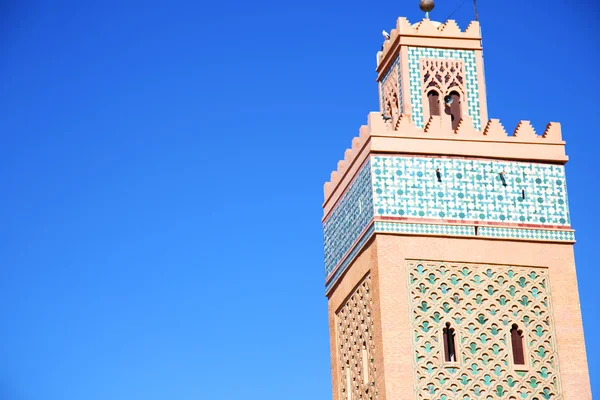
x=553, y=261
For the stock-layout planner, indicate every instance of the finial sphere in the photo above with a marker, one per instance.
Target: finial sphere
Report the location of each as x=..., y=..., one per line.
x=426, y=5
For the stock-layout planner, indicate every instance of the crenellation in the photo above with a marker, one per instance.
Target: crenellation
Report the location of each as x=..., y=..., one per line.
x=525, y=130
x=403, y=26
x=429, y=29
x=465, y=128
x=406, y=125
x=341, y=167
x=473, y=30
x=438, y=128
x=553, y=132
x=494, y=128
x=450, y=28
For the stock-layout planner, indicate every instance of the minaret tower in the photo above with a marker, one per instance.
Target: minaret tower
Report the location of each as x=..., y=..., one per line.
x=449, y=260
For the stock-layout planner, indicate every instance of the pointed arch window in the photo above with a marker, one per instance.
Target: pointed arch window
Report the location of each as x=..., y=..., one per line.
x=434, y=102
x=365, y=364
x=449, y=343
x=453, y=108
x=348, y=382
x=516, y=338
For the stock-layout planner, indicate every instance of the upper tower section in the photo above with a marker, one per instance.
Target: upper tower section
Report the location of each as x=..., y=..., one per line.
x=432, y=69
x=430, y=162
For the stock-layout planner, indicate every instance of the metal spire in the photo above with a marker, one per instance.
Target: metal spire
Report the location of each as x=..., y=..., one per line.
x=426, y=6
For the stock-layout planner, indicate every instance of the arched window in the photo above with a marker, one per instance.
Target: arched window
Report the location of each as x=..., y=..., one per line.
x=516, y=337
x=449, y=343
x=453, y=108
x=348, y=382
x=434, y=102
x=365, y=364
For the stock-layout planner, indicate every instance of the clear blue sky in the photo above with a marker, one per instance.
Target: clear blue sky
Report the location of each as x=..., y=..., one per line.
x=162, y=167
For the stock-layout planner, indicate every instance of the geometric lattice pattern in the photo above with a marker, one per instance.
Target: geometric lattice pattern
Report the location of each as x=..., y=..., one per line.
x=348, y=219
x=356, y=349
x=482, y=302
x=394, y=73
x=470, y=190
x=415, y=54
x=442, y=74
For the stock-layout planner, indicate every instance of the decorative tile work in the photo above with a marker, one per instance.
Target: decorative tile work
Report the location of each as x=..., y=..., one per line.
x=356, y=347
x=400, y=89
x=427, y=229
x=470, y=190
x=471, y=81
x=482, y=303
x=364, y=238
x=349, y=218
x=532, y=234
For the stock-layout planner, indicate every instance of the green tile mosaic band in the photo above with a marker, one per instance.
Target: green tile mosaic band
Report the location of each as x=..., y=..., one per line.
x=348, y=260
x=466, y=191
x=348, y=219
x=531, y=234
x=470, y=190
x=427, y=229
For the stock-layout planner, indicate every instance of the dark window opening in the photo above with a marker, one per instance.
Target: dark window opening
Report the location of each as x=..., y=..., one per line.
x=449, y=343
x=434, y=102
x=516, y=337
x=453, y=108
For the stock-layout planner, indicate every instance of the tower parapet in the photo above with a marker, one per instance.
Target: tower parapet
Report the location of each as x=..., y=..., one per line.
x=420, y=33
x=379, y=136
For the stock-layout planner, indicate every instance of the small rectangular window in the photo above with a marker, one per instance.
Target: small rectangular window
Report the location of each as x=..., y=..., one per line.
x=449, y=343
x=516, y=337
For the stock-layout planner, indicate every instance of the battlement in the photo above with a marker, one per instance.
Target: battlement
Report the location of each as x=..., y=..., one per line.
x=446, y=35
x=438, y=139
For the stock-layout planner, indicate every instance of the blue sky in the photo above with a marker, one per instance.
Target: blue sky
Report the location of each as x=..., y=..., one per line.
x=162, y=167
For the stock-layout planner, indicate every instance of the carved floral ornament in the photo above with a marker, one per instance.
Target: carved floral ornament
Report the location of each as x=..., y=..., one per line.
x=390, y=96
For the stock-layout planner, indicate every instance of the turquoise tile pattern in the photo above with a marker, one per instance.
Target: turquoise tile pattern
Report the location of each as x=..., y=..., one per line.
x=465, y=192
x=471, y=81
x=528, y=234
x=470, y=190
x=426, y=229
x=355, y=250
x=349, y=218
